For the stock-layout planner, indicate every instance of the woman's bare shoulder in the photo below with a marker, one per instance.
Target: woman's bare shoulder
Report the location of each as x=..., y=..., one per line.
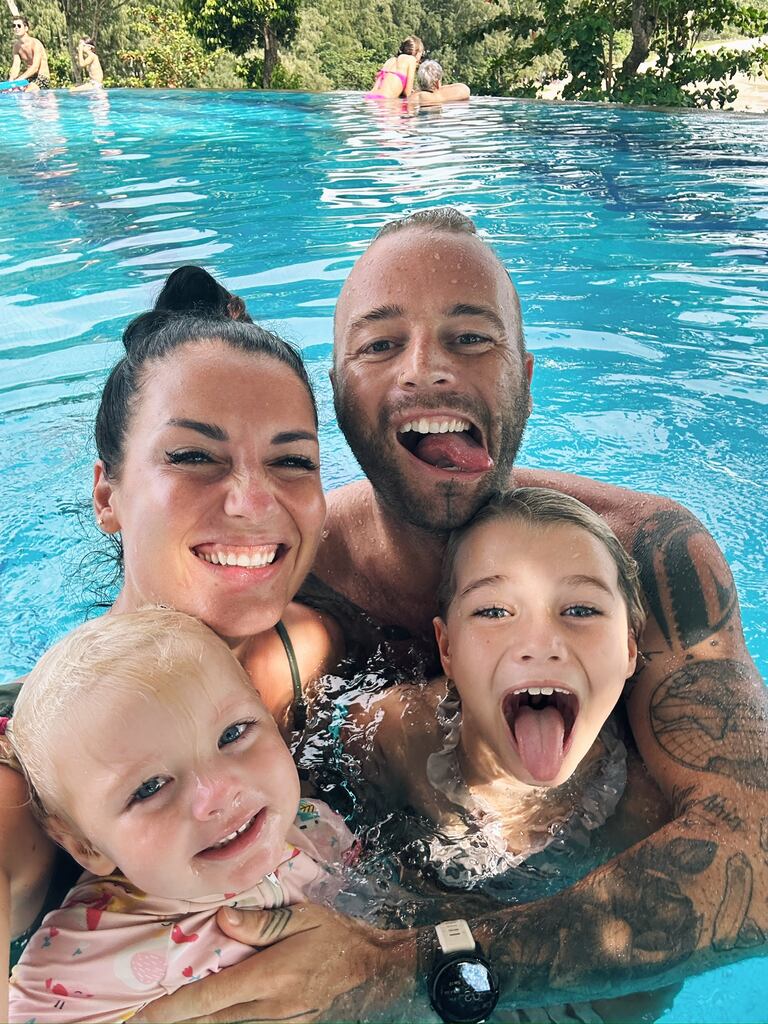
x=317, y=643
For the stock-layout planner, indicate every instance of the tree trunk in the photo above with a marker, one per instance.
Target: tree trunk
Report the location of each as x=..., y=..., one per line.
x=644, y=18
x=270, y=55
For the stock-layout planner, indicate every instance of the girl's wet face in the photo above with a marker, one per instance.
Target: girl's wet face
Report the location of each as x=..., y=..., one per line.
x=538, y=643
x=218, y=500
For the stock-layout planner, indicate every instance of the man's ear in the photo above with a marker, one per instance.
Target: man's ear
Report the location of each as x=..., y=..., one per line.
x=78, y=846
x=441, y=635
x=529, y=374
x=332, y=375
x=103, y=499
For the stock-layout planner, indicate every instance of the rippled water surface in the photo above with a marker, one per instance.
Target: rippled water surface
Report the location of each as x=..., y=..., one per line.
x=637, y=239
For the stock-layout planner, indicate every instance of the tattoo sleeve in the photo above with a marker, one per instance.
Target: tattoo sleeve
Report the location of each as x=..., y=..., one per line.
x=707, y=723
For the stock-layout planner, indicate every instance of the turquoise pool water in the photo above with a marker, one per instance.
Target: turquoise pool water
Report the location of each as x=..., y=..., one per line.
x=638, y=241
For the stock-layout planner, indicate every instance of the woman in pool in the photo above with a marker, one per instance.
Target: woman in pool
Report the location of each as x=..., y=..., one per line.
x=432, y=92
x=153, y=761
x=396, y=76
x=208, y=472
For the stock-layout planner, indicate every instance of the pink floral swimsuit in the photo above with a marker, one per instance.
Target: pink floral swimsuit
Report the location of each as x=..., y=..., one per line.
x=111, y=949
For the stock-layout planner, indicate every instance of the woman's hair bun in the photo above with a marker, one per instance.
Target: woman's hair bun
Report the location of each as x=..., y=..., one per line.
x=190, y=294
x=191, y=289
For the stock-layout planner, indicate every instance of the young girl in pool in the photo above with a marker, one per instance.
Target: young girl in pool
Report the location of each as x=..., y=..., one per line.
x=540, y=612
x=152, y=760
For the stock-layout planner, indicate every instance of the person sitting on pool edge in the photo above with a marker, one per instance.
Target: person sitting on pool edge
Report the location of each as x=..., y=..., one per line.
x=428, y=328
x=88, y=60
x=28, y=49
x=141, y=732
x=432, y=92
x=396, y=75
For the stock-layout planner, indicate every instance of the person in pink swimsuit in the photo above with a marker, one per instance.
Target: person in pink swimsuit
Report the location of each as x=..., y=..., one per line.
x=152, y=760
x=396, y=76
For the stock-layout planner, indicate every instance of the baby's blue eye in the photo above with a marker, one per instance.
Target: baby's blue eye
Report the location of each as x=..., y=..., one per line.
x=149, y=788
x=233, y=733
x=494, y=612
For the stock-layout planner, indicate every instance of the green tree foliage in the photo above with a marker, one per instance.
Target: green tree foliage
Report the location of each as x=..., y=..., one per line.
x=60, y=23
x=605, y=46
x=340, y=44
x=165, y=54
x=637, y=51
x=241, y=25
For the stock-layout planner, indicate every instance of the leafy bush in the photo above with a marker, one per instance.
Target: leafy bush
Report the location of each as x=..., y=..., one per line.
x=60, y=65
x=170, y=58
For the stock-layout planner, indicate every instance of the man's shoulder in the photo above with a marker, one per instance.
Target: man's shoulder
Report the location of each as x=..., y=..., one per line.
x=350, y=512
x=625, y=510
x=356, y=495
x=595, y=493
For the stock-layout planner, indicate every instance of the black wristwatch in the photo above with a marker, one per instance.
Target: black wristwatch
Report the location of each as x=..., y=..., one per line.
x=463, y=988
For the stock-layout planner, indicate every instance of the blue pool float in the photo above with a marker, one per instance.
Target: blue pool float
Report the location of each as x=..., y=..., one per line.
x=15, y=86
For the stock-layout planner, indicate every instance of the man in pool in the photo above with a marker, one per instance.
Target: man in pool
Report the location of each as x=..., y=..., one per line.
x=30, y=52
x=431, y=383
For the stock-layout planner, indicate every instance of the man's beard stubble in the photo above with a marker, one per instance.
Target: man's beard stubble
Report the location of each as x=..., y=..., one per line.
x=447, y=505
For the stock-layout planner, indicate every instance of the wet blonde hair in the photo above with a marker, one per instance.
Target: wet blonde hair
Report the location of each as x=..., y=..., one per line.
x=542, y=507
x=140, y=653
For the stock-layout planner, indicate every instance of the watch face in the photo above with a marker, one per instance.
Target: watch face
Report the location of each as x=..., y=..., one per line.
x=465, y=991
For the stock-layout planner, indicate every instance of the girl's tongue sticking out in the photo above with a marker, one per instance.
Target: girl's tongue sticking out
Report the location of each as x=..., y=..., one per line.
x=541, y=725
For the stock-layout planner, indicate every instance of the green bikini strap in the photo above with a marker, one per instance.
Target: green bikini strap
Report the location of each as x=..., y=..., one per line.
x=299, y=704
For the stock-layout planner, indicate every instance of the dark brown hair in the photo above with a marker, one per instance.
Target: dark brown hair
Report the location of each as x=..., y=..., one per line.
x=191, y=307
x=410, y=46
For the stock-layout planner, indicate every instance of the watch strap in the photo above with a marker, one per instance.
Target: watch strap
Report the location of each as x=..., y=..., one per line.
x=455, y=937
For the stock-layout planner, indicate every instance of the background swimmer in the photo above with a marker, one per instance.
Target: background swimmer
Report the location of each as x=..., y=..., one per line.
x=396, y=76
x=88, y=60
x=153, y=761
x=432, y=92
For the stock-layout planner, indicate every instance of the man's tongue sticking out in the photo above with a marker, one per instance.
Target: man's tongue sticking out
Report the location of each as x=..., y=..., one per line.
x=540, y=736
x=457, y=451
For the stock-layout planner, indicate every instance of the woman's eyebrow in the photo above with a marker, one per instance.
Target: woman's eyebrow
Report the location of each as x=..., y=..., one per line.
x=289, y=436
x=207, y=429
